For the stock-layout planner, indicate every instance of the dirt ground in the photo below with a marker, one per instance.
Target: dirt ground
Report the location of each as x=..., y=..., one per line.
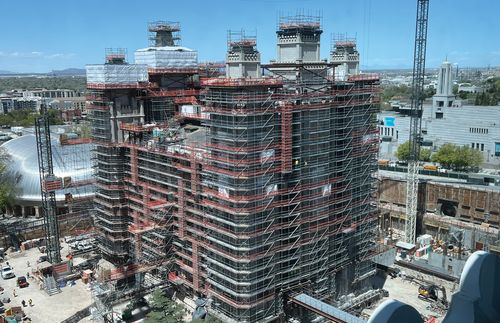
x=407, y=292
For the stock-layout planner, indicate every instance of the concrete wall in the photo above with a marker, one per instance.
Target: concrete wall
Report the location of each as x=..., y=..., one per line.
x=447, y=265
x=393, y=191
x=66, y=227
x=470, y=203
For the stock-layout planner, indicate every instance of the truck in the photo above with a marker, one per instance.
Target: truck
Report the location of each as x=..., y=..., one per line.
x=431, y=167
x=383, y=162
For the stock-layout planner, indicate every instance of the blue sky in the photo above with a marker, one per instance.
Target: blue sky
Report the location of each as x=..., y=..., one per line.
x=39, y=36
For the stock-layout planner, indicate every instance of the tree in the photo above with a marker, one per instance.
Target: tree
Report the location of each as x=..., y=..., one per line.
x=76, y=83
x=208, y=319
x=54, y=116
x=26, y=117
x=8, y=190
x=445, y=155
x=429, y=92
x=459, y=158
x=425, y=154
x=466, y=157
x=163, y=309
x=463, y=95
x=391, y=91
x=403, y=153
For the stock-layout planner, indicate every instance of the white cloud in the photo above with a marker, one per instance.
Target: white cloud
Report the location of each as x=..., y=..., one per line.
x=61, y=55
x=36, y=54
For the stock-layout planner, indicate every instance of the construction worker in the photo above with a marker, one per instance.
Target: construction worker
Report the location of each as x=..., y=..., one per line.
x=14, y=292
x=30, y=302
x=23, y=303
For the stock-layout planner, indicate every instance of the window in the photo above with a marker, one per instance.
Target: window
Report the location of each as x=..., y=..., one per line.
x=472, y=145
x=497, y=148
x=477, y=145
x=478, y=130
x=482, y=147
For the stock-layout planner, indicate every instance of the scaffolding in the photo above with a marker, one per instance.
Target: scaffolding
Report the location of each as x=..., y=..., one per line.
x=265, y=198
x=300, y=20
x=164, y=33
x=240, y=39
x=49, y=183
x=342, y=42
x=115, y=55
x=265, y=191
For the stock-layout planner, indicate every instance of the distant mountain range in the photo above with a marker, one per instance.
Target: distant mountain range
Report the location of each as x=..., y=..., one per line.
x=69, y=72
x=65, y=72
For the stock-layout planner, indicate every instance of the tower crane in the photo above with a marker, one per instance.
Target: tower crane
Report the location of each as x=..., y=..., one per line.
x=49, y=183
x=416, y=119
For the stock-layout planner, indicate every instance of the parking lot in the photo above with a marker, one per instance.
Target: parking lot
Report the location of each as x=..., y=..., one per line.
x=45, y=309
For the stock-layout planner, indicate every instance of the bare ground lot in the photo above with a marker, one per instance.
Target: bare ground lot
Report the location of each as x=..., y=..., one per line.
x=407, y=292
x=46, y=309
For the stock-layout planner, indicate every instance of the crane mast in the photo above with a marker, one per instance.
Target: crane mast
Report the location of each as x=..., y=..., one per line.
x=416, y=119
x=49, y=183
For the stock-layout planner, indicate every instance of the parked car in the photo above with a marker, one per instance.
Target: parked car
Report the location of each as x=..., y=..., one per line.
x=42, y=259
x=84, y=265
x=22, y=282
x=84, y=246
x=7, y=272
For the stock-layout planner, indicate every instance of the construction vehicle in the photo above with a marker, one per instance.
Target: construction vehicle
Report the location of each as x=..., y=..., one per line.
x=383, y=162
x=431, y=292
x=431, y=167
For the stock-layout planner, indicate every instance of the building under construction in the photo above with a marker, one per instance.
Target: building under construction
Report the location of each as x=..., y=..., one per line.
x=246, y=189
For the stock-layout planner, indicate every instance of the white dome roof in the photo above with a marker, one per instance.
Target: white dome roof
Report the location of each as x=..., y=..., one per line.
x=68, y=160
